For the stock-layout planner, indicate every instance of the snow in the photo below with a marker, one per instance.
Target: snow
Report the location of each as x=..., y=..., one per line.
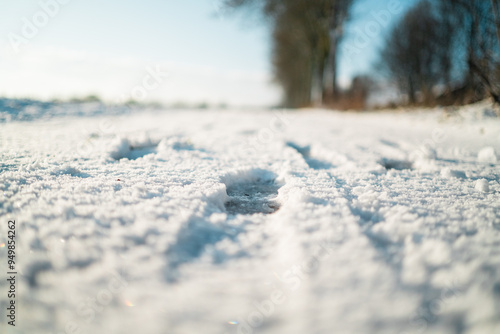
x=253, y=221
x=482, y=185
x=487, y=154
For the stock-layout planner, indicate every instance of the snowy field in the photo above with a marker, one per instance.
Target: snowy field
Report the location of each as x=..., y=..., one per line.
x=310, y=222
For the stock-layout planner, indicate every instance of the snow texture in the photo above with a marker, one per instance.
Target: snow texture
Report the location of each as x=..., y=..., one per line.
x=252, y=222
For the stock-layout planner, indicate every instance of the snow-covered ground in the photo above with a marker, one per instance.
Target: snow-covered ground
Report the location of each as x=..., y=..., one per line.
x=220, y=222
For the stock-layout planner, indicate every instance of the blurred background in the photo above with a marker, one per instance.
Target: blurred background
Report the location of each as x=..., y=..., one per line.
x=342, y=54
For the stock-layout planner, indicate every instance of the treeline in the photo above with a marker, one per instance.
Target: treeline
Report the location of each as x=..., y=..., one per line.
x=445, y=52
x=440, y=52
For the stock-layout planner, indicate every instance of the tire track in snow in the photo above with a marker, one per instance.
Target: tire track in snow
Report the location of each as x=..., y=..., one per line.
x=315, y=195
x=341, y=195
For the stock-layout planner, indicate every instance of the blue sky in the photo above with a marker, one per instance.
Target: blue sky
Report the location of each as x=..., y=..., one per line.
x=368, y=25
x=106, y=47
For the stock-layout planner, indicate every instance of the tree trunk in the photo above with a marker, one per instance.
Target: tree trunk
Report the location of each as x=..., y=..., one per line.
x=486, y=81
x=334, y=69
x=411, y=91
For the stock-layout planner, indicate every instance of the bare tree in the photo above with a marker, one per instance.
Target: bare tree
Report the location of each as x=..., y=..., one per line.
x=418, y=53
x=478, y=29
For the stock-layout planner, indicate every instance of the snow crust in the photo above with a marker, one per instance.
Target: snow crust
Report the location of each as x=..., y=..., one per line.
x=351, y=222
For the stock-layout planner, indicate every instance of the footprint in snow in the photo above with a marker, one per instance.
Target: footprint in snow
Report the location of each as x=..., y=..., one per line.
x=256, y=195
x=395, y=164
